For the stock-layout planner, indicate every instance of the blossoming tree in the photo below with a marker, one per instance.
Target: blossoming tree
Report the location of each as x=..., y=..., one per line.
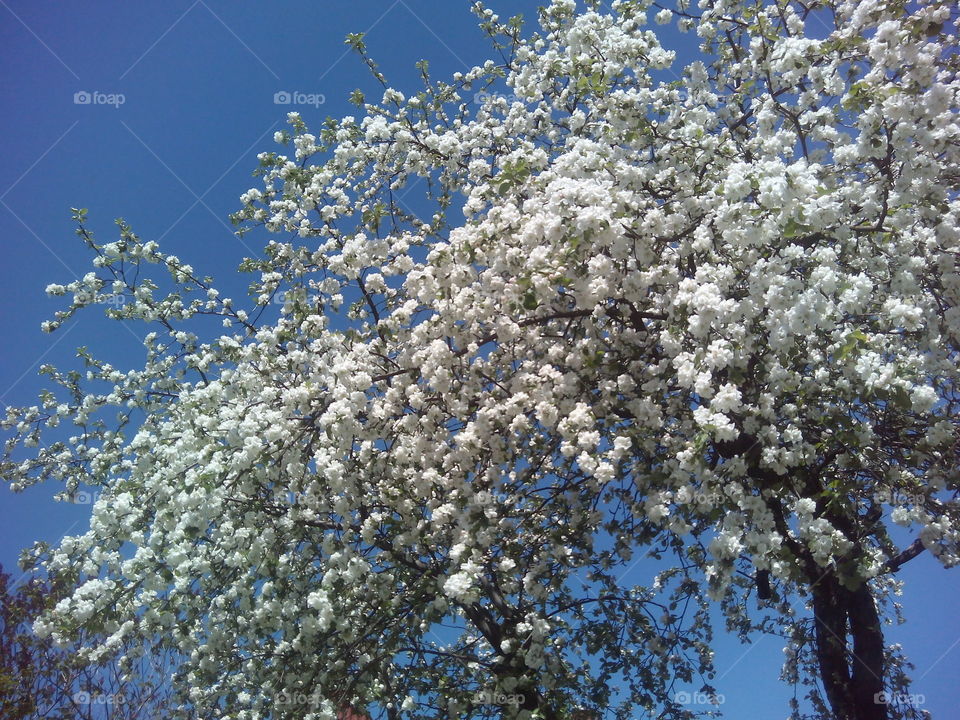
x=710, y=319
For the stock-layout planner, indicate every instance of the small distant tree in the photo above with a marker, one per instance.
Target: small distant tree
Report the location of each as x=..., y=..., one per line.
x=711, y=320
x=22, y=655
x=39, y=679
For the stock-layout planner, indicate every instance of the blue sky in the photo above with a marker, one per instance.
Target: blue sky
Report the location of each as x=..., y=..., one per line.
x=198, y=81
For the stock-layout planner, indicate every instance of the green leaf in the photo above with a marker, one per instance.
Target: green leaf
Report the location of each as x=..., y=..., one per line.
x=355, y=41
x=853, y=341
x=794, y=229
x=900, y=399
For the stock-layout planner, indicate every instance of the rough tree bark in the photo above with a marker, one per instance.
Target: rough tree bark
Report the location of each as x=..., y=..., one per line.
x=852, y=676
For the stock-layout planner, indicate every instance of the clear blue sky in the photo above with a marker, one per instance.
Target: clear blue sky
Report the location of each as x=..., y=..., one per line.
x=198, y=80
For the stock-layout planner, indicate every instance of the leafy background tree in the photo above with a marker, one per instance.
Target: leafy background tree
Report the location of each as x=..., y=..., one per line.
x=720, y=450
x=39, y=679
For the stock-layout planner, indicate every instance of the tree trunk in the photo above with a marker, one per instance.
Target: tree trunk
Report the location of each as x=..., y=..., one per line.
x=852, y=677
x=866, y=679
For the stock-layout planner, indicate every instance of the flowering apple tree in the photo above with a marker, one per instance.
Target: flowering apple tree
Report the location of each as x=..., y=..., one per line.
x=701, y=312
